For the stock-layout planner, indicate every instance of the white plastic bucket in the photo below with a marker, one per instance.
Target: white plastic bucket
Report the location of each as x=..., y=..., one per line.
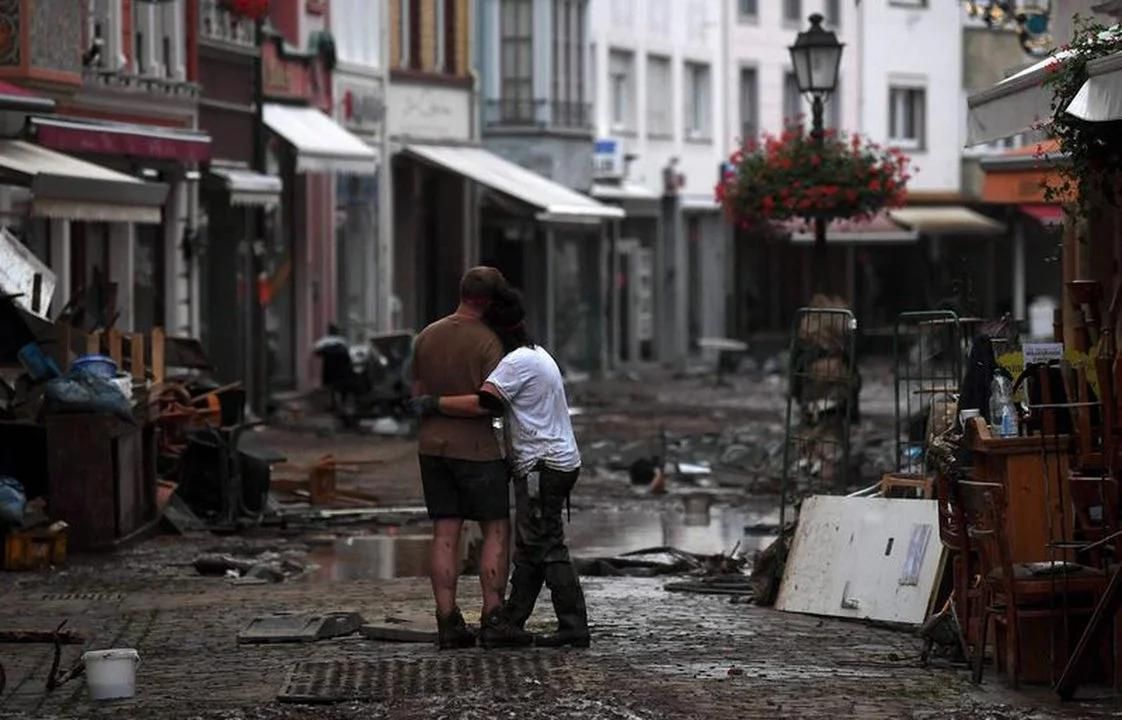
x=111, y=674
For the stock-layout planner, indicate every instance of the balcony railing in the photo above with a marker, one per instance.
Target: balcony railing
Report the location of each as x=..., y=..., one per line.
x=543, y=114
x=220, y=25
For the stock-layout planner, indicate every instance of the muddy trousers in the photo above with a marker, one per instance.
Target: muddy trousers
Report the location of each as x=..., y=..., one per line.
x=541, y=556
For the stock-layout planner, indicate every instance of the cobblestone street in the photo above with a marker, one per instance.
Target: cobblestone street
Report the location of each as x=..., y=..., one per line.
x=656, y=654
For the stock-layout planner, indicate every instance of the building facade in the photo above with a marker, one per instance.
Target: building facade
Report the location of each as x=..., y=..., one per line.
x=658, y=69
x=121, y=75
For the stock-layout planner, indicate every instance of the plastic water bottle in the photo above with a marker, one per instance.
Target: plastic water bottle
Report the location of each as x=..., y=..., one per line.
x=1003, y=415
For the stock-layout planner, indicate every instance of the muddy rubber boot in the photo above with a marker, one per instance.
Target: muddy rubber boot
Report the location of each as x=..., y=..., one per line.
x=452, y=632
x=568, y=603
x=496, y=631
x=525, y=586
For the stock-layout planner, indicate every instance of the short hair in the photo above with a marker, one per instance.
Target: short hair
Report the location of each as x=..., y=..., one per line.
x=481, y=283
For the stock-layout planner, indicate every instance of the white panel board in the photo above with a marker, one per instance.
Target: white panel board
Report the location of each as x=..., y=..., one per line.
x=863, y=558
x=18, y=268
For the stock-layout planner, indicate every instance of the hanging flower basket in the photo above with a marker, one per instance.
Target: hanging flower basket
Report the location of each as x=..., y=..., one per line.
x=1093, y=149
x=792, y=177
x=251, y=9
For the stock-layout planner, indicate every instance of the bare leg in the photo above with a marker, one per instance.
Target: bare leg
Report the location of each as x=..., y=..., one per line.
x=444, y=563
x=494, y=563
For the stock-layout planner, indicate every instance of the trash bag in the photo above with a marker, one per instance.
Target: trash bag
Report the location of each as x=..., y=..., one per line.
x=80, y=392
x=13, y=501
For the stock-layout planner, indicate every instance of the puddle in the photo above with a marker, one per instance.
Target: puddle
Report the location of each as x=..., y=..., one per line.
x=693, y=525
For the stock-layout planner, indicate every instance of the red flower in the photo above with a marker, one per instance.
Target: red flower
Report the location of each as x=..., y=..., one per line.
x=252, y=9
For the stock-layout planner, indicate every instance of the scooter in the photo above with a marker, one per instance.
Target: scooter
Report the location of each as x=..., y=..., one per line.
x=367, y=380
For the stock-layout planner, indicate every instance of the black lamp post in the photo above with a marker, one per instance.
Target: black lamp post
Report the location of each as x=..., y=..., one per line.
x=816, y=56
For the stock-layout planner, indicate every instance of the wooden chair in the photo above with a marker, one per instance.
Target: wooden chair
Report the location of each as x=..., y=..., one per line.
x=963, y=559
x=1094, y=502
x=1018, y=592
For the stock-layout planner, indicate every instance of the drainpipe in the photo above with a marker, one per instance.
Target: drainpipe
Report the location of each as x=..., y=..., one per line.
x=384, y=270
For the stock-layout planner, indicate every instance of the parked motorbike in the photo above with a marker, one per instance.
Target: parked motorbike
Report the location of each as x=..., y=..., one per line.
x=367, y=380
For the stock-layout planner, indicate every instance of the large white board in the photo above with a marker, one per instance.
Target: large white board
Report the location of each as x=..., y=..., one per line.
x=863, y=558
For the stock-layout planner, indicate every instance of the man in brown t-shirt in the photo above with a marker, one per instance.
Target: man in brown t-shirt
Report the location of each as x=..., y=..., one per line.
x=462, y=468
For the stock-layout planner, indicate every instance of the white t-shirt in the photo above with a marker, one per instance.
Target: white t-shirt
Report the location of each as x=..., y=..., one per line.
x=538, y=414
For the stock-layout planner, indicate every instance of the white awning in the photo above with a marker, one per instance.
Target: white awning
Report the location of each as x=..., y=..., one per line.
x=247, y=187
x=1013, y=105
x=1100, y=98
x=623, y=191
x=72, y=189
x=555, y=202
x=946, y=220
x=322, y=145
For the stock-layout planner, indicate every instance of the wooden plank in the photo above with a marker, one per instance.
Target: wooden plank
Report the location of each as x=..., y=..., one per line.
x=159, y=345
x=93, y=343
x=136, y=350
x=114, y=337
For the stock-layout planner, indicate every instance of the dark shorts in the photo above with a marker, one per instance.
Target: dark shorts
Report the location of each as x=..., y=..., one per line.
x=465, y=489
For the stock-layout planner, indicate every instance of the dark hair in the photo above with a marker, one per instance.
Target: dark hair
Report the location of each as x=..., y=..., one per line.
x=506, y=315
x=480, y=284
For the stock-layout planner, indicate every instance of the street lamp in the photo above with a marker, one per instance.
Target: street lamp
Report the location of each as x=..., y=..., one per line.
x=816, y=56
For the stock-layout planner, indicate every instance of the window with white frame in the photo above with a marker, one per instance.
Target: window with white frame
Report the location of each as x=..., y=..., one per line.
x=440, y=32
x=793, y=11
x=103, y=29
x=158, y=38
x=516, y=60
x=569, y=63
x=660, y=121
x=404, y=32
x=907, y=111
x=749, y=103
x=748, y=10
x=831, y=10
x=793, y=104
x=621, y=89
x=355, y=25
x=697, y=89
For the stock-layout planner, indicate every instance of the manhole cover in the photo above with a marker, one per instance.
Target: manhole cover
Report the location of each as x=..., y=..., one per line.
x=497, y=675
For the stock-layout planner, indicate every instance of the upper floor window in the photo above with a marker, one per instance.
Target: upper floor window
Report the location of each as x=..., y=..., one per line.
x=158, y=38
x=516, y=60
x=356, y=25
x=404, y=12
x=698, y=91
x=660, y=122
x=621, y=89
x=907, y=110
x=831, y=10
x=748, y=10
x=793, y=11
x=440, y=20
x=749, y=103
x=909, y=3
x=569, y=63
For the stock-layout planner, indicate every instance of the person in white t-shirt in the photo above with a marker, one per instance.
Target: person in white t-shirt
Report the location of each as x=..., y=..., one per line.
x=528, y=391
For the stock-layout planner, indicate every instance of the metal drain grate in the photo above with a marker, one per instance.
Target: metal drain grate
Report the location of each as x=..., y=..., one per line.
x=90, y=597
x=498, y=675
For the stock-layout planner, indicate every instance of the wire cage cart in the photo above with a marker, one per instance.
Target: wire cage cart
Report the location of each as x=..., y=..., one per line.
x=821, y=399
x=929, y=349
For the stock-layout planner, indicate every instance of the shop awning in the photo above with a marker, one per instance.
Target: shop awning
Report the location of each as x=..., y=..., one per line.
x=879, y=230
x=73, y=189
x=14, y=97
x=555, y=202
x=247, y=187
x=1046, y=214
x=1013, y=105
x=1020, y=176
x=699, y=203
x=1100, y=98
x=106, y=138
x=321, y=144
x=946, y=220
x=623, y=191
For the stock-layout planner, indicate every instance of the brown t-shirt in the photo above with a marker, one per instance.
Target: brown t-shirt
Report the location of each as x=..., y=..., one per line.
x=454, y=356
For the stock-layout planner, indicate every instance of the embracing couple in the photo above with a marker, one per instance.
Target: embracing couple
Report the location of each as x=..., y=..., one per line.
x=468, y=368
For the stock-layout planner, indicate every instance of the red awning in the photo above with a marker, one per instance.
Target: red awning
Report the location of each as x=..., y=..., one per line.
x=1046, y=214
x=878, y=229
x=141, y=141
x=14, y=97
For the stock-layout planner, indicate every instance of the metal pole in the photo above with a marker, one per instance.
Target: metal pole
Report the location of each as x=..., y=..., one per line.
x=256, y=324
x=819, y=277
